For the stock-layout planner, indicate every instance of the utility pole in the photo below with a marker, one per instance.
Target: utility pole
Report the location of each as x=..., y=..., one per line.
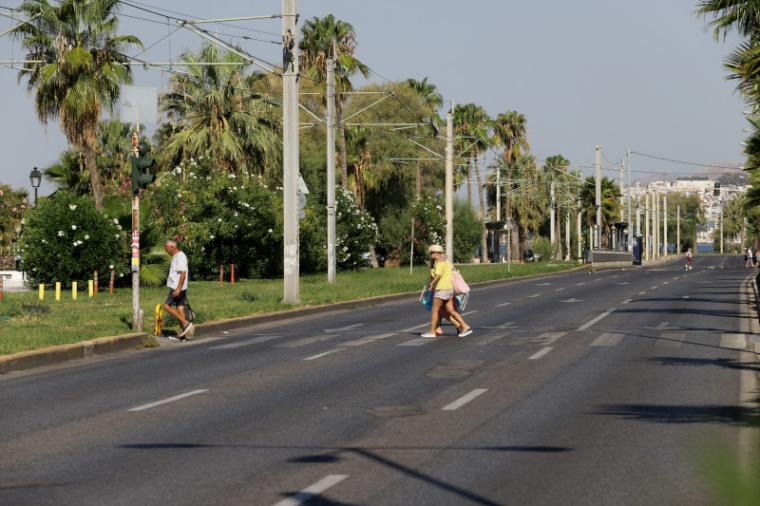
x=449, y=190
x=598, y=200
x=678, y=229
x=137, y=321
x=290, y=161
x=655, y=226
x=628, y=200
x=638, y=215
x=647, y=238
x=330, y=170
x=721, y=227
x=665, y=222
x=498, y=194
x=552, y=220
x=579, y=233
x=567, y=234
x=622, y=192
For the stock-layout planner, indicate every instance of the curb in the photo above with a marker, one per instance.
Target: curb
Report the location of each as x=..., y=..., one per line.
x=57, y=354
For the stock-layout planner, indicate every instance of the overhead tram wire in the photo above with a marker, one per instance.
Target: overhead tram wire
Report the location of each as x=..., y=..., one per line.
x=682, y=162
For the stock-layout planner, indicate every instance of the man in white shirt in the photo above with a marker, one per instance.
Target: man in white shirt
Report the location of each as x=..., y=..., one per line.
x=176, y=300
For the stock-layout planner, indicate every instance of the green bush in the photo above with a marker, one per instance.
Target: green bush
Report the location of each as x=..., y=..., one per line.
x=467, y=231
x=66, y=239
x=542, y=247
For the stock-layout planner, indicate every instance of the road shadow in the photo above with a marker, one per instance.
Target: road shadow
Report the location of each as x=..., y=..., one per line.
x=333, y=455
x=738, y=416
x=727, y=363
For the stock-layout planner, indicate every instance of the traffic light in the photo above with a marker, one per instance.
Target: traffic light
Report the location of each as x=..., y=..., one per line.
x=142, y=169
x=716, y=190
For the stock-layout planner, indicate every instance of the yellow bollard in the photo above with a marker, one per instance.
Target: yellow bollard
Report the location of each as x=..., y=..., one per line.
x=42, y=291
x=74, y=290
x=90, y=288
x=57, y=291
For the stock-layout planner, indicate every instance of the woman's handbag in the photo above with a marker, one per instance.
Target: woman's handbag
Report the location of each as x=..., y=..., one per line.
x=460, y=285
x=426, y=298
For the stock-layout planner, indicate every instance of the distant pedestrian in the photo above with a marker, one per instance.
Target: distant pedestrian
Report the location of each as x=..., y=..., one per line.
x=442, y=287
x=689, y=257
x=176, y=300
x=749, y=257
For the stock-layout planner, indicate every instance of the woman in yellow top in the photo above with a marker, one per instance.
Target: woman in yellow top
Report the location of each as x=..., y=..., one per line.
x=442, y=286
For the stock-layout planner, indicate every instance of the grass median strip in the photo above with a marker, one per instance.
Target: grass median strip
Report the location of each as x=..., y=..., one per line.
x=70, y=321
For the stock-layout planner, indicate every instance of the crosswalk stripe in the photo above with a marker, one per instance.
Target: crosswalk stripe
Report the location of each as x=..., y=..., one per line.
x=607, y=339
x=733, y=341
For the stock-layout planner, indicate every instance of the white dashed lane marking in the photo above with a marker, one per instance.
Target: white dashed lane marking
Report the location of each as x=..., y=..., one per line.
x=168, y=400
x=594, y=321
x=313, y=491
x=323, y=354
x=541, y=353
x=465, y=399
x=503, y=304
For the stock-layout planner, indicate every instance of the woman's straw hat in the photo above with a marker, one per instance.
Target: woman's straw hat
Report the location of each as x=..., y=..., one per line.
x=435, y=248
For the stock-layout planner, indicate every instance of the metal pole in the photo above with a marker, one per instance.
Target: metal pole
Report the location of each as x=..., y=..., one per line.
x=647, y=214
x=678, y=229
x=290, y=155
x=35, y=196
x=552, y=219
x=628, y=200
x=656, y=224
x=137, y=323
x=579, y=235
x=638, y=215
x=721, y=227
x=567, y=234
x=449, y=190
x=598, y=201
x=411, y=251
x=330, y=170
x=622, y=193
x=665, y=222
x=498, y=194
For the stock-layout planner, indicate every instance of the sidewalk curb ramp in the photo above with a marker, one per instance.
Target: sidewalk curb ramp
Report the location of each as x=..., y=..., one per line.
x=57, y=354
x=84, y=349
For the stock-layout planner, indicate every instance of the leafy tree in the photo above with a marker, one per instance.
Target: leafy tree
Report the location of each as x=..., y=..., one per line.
x=467, y=232
x=218, y=112
x=321, y=39
x=83, y=69
x=67, y=239
x=13, y=204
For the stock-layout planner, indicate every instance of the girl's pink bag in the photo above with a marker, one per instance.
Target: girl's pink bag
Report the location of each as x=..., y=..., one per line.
x=460, y=285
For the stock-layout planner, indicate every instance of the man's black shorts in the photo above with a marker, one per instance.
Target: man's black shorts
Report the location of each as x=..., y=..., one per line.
x=180, y=300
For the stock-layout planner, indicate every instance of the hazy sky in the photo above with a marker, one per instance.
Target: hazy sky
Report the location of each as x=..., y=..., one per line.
x=643, y=74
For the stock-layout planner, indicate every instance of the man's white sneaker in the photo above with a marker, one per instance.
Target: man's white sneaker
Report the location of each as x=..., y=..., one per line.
x=187, y=331
x=428, y=335
x=465, y=333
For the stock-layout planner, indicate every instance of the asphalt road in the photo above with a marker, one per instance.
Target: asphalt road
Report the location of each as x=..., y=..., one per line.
x=612, y=388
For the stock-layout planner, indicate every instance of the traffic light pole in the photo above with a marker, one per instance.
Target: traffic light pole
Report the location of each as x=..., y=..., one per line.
x=137, y=323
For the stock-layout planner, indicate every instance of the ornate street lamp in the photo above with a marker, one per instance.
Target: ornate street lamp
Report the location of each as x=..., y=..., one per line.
x=35, y=177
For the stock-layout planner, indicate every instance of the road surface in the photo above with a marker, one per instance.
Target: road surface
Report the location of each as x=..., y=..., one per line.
x=610, y=388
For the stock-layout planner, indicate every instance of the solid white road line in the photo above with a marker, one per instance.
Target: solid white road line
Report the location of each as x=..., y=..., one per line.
x=312, y=491
x=733, y=341
x=167, y=401
x=465, y=399
x=541, y=353
x=320, y=355
x=607, y=339
x=504, y=304
x=247, y=342
x=593, y=321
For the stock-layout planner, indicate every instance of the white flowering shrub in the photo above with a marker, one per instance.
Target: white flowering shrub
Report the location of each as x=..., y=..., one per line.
x=355, y=232
x=66, y=239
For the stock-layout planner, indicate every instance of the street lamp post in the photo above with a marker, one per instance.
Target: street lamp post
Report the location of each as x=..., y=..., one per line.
x=35, y=177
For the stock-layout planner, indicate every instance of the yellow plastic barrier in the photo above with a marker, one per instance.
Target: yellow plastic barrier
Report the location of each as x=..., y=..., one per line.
x=90, y=288
x=74, y=290
x=42, y=291
x=58, y=291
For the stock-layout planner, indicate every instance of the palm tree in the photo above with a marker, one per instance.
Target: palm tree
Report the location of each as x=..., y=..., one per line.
x=510, y=130
x=556, y=170
x=359, y=177
x=530, y=197
x=83, y=69
x=219, y=112
x=432, y=101
x=322, y=38
x=610, y=204
x=68, y=173
x=740, y=15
